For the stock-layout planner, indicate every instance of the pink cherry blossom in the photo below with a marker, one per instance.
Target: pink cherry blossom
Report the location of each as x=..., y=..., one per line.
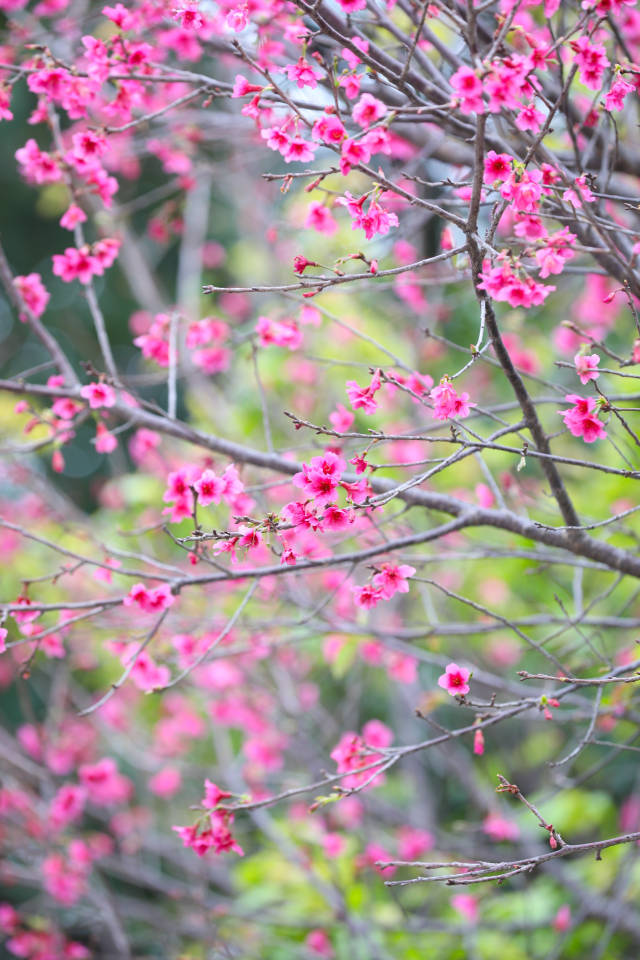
x=36, y=165
x=500, y=829
x=367, y=596
x=319, y=218
x=99, y=395
x=615, y=98
x=33, y=292
x=328, y=129
x=582, y=419
x=368, y=110
x=319, y=479
x=363, y=398
x=150, y=601
x=285, y=333
x=392, y=579
x=530, y=118
x=562, y=920
x=302, y=74
x=72, y=217
x=455, y=680
x=497, y=166
x=318, y=942
x=341, y=418
x=468, y=87
x=76, y=264
x=586, y=366
x=592, y=61
x=466, y=905
x=103, y=782
x=448, y=403
x=105, y=441
x=210, y=488
x=67, y=805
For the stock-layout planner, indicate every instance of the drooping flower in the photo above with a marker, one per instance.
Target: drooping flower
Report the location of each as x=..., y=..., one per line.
x=586, y=366
x=364, y=397
x=448, y=403
x=582, y=419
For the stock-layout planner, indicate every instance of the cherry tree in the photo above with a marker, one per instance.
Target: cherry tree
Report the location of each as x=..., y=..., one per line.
x=320, y=324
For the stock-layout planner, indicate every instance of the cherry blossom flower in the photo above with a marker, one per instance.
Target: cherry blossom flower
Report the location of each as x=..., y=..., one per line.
x=455, y=680
x=189, y=16
x=582, y=419
x=350, y=84
x=448, y=403
x=213, y=795
x=72, y=217
x=33, y=292
x=89, y=146
x=67, y=805
x=238, y=17
x=145, y=672
x=64, y=881
x=586, y=366
x=5, y=101
x=551, y=258
x=166, y=782
x=124, y=19
x=363, y=398
x=319, y=479
x=103, y=783
x=581, y=194
x=99, y=395
x=562, y=920
x=150, y=601
x=468, y=87
x=504, y=283
x=592, y=61
x=298, y=150
x=105, y=441
x=328, y=129
x=242, y=87
x=352, y=6
x=319, y=218
x=413, y=842
x=466, y=905
x=353, y=152
x=529, y=118
x=210, y=488
x=278, y=333
x=615, y=98
x=497, y=166
x=318, y=943
x=36, y=165
x=76, y=264
x=367, y=596
x=500, y=829
x=216, y=837
x=392, y=578
x=368, y=110
x=375, y=220
x=341, y=418
x=302, y=74
x=354, y=751
x=524, y=190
